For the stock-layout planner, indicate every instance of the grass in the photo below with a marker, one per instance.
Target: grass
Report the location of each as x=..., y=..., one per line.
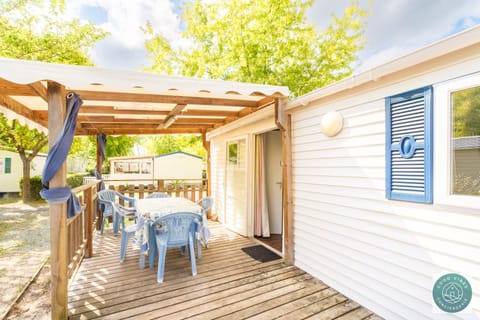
x=9, y=199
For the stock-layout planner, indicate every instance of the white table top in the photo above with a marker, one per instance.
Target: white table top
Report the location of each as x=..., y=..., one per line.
x=153, y=208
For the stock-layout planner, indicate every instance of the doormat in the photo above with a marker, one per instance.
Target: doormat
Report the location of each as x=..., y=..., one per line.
x=260, y=253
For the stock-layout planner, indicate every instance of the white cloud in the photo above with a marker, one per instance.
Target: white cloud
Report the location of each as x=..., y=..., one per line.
x=124, y=20
x=394, y=27
x=397, y=27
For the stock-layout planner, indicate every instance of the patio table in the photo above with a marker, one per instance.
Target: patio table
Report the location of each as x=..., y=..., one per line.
x=150, y=209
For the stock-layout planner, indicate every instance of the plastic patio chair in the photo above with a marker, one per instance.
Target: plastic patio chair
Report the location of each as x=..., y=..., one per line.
x=206, y=203
x=113, y=209
x=158, y=195
x=127, y=232
x=175, y=230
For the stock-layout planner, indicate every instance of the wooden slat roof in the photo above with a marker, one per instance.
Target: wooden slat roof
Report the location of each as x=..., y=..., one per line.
x=126, y=102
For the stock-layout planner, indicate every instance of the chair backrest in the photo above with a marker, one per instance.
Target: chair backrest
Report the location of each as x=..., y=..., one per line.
x=158, y=195
x=176, y=228
x=107, y=195
x=206, y=203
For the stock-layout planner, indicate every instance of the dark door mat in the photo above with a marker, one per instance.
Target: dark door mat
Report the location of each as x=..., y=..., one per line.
x=260, y=253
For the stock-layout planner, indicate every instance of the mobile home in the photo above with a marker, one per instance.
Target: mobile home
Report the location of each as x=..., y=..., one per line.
x=11, y=170
x=386, y=201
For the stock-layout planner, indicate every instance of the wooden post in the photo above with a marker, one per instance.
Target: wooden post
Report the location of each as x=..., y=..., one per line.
x=58, y=212
x=206, y=145
x=89, y=220
x=99, y=213
x=287, y=191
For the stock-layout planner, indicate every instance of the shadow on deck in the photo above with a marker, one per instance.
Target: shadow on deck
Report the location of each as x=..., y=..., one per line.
x=229, y=285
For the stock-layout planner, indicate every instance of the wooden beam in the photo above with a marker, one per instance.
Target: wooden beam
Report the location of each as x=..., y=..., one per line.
x=9, y=88
x=233, y=101
x=135, y=131
x=112, y=111
x=58, y=212
x=40, y=90
x=17, y=107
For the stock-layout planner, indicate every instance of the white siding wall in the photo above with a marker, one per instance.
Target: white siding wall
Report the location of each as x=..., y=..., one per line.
x=9, y=182
x=218, y=148
x=383, y=254
x=178, y=166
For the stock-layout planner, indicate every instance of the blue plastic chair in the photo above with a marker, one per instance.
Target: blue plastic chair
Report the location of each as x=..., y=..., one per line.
x=127, y=232
x=112, y=208
x=158, y=195
x=175, y=230
x=206, y=203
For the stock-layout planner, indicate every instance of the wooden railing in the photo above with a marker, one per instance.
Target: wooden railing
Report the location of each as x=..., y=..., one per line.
x=190, y=189
x=80, y=228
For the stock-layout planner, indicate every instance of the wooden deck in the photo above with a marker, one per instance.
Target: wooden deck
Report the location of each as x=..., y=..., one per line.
x=229, y=285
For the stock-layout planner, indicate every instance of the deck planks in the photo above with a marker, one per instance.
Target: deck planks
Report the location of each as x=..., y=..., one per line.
x=229, y=285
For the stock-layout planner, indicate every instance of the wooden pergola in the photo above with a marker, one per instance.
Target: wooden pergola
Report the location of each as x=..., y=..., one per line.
x=115, y=103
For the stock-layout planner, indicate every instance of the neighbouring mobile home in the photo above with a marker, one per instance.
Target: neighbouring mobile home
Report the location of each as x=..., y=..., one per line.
x=11, y=170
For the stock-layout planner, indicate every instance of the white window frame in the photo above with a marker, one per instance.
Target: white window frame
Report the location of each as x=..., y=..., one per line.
x=443, y=140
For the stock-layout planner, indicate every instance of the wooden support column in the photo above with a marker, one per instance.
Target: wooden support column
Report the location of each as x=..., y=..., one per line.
x=98, y=213
x=58, y=212
x=88, y=196
x=206, y=145
x=287, y=191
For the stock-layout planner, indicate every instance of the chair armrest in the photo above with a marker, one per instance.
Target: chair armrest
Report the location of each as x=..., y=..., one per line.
x=126, y=198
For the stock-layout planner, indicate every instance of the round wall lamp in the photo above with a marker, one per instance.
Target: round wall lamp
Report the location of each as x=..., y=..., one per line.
x=332, y=123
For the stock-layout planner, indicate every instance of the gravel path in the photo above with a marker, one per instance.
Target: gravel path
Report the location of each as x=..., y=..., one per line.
x=24, y=248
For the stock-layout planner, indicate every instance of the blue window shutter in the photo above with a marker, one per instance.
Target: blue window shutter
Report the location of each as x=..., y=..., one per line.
x=8, y=165
x=409, y=146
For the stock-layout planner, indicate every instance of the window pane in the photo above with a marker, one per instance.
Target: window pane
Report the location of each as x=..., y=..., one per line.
x=466, y=141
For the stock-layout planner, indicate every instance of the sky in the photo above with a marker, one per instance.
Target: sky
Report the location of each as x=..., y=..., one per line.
x=394, y=27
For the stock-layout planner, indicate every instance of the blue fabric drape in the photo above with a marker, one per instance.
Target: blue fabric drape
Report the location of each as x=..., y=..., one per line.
x=57, y=155
x=102, y=142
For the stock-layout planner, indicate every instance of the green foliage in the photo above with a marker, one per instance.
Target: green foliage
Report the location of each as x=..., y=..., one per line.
x=261, y=41
x=158, y=145
x=20, y=138
x=28, y=33
x=75, y=180
x=466, y=112
x=120, y=146
x=35, y=187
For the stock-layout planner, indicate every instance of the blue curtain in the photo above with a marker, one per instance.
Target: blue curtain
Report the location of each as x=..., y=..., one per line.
x=57, y=155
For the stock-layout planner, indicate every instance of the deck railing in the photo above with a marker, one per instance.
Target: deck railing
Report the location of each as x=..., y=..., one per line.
x=80, y=228
x=193, y=189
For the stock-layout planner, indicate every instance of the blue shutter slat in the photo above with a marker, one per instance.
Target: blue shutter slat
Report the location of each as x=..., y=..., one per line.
x=409, y=146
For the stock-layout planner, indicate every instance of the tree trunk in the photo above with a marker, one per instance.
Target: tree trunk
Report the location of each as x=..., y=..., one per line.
x=26, y=180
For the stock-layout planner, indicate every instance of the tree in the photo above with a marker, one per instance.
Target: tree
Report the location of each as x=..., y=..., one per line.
x=158, y=145
x=119, y=146
x=261, y=41
x=28, y=143
x=26, y=33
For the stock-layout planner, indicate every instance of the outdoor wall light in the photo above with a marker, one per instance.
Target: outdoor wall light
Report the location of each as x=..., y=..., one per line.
x=332, y=123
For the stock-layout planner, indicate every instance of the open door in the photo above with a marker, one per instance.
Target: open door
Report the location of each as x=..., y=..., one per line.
x=268, y=216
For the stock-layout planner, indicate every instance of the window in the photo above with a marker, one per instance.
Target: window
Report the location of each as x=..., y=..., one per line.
x=8, y=165
x=457, y=152
x=408, y=151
